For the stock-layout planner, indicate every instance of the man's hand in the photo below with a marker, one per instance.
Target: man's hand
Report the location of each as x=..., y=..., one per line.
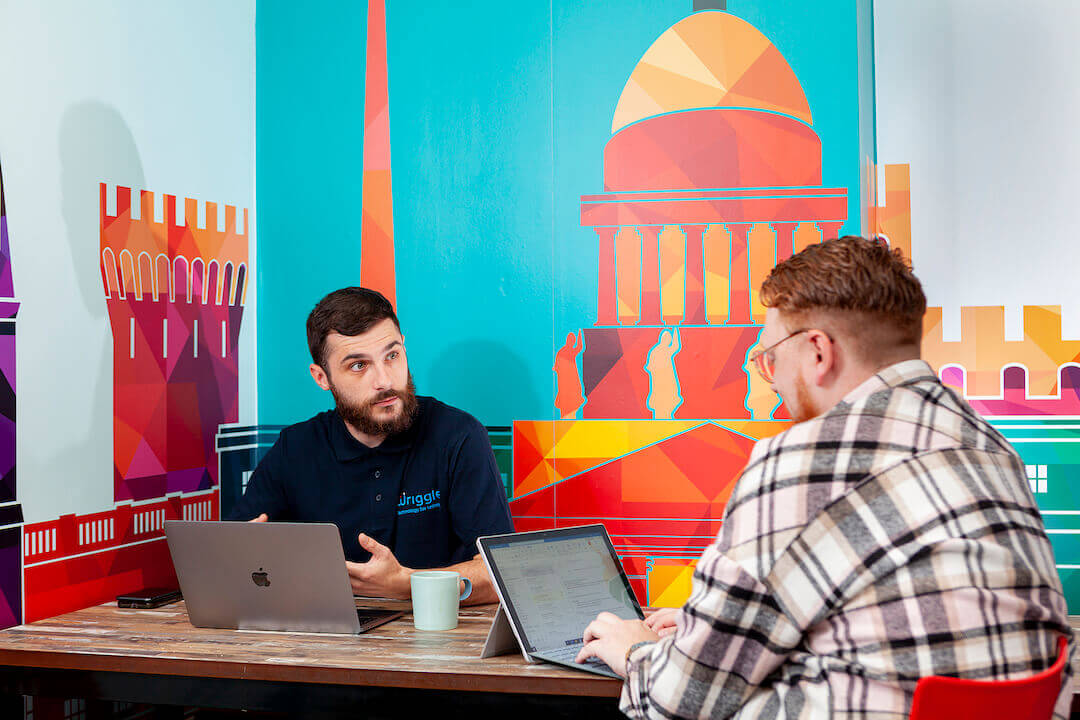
x=662, y=622
x=382, y=575
x=262, y=518
x=608, y=637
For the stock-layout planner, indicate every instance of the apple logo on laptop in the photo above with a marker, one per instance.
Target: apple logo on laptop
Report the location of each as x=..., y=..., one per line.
x=261, y=578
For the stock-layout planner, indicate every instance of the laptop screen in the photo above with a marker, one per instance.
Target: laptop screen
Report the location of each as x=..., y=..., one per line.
x=555, y=582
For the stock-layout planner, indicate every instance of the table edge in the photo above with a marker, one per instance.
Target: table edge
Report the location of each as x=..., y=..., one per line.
x=587, y=686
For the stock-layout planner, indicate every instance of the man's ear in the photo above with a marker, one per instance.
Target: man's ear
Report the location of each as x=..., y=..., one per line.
x=826, y=359
x=319, y=376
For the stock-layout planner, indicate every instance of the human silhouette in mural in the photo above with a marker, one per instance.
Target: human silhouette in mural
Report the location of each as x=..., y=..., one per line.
x=569, y=396
x=663, y=397
x=761, y=401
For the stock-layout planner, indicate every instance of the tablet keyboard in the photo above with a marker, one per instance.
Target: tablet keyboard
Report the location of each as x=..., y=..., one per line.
x=565, y=656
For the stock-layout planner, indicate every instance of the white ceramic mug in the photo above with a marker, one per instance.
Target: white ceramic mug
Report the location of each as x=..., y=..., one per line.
x=435, y=598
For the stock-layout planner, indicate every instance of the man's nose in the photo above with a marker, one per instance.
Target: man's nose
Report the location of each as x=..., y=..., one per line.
x=381, y=376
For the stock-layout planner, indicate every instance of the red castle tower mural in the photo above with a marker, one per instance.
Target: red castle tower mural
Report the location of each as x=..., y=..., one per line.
x=712, y=175
x=175, y=295
x=174, y=286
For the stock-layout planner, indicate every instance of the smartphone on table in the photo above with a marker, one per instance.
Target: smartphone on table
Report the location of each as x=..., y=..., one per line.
x=147, y=598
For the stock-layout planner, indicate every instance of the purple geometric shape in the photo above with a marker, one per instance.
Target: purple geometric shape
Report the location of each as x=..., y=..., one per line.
x=10, y=537
x=10, y=577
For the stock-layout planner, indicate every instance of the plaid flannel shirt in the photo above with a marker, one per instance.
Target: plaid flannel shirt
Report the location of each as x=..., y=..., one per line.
x=891, y=538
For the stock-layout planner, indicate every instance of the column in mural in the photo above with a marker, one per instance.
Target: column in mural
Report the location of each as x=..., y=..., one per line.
x=377, y=210
x=711, y=114
x=10, y=510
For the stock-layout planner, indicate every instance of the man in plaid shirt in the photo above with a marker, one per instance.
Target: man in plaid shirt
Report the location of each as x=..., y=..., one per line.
x=888, y=535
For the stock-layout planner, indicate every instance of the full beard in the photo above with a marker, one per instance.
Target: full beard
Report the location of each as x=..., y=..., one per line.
x=365, y=416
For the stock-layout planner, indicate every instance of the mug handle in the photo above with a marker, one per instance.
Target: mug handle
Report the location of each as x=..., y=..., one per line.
x=468, y=589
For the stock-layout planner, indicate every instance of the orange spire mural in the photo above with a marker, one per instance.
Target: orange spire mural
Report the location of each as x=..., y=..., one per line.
x=377, y=215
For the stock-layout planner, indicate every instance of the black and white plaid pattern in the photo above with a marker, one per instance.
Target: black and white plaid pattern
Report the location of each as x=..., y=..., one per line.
x=892, y=538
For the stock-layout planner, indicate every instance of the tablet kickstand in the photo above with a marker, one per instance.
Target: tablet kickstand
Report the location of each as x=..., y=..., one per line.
x=500, y=639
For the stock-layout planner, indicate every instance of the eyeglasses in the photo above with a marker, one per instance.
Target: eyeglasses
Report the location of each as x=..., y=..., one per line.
x=763, y=359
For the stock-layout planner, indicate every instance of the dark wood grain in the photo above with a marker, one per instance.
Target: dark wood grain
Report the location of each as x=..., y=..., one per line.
x=158, y=656
x=162, y=642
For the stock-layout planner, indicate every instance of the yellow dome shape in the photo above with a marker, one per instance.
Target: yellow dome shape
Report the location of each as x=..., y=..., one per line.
x=710, y=59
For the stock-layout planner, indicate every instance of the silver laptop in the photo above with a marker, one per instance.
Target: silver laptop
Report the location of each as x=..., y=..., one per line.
x=267, y=576
x=551, y=585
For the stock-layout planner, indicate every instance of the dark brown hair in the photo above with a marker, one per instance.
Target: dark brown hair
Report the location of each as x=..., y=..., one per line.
x=854, y=279
x=348, y=311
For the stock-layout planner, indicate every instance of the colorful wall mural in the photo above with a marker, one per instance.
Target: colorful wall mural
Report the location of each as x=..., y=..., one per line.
x=639, y=213
x=988, y=229
x=582, y=219
x=175, y=283
x=11, y=516
x=712, y=171
x=117, y=416
x=674, y=320
x=1028, y=387
x=712, y=174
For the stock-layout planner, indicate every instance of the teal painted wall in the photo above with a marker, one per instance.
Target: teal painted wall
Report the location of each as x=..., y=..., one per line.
x=499, y=114
x=309, y=118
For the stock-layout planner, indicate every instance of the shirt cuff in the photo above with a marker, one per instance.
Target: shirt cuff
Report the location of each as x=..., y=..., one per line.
x=631, y=701
x=633, y=649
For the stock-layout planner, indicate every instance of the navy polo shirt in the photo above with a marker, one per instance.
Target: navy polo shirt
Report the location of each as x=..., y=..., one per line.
x=426, y=493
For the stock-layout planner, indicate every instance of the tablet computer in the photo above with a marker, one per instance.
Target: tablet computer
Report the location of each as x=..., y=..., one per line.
x=553, y=583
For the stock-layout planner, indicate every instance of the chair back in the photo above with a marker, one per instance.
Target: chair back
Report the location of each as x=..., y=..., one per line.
x=1030, y=698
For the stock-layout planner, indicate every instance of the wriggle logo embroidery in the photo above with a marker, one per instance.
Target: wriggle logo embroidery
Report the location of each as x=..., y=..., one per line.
x=418, y=502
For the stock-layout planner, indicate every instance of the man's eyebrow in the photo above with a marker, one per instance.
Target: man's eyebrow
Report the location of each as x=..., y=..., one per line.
x=364, y=356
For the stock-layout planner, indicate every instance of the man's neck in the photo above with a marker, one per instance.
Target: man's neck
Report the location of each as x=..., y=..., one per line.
x=902, y=355
x=867, y=370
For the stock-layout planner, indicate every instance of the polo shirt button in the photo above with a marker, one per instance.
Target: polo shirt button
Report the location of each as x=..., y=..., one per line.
x=378, y=473
x=378, y=498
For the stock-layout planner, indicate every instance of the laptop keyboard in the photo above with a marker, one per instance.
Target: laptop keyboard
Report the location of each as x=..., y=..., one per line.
x=370, y=618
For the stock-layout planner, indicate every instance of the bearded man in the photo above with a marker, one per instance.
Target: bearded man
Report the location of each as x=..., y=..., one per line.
x=409, y=481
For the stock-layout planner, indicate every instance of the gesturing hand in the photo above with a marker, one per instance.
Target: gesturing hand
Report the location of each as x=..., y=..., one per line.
x=262, y=518
x=382, y=575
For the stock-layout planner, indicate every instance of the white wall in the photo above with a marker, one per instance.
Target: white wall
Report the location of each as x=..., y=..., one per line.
x=154, y=95
x=981, y=98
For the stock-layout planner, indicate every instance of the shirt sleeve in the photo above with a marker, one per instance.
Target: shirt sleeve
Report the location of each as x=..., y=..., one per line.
x=266, y=492
x=731, y=635
x=478, y=503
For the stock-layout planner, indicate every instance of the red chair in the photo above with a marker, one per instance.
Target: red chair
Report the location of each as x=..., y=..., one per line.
x=1031, y=698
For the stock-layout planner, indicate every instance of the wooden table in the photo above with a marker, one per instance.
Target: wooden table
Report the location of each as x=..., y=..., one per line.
x=157, y=656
